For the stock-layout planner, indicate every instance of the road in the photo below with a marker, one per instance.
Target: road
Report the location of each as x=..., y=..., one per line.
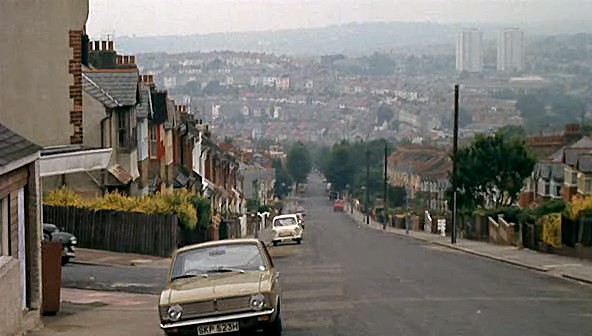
x=346, y=279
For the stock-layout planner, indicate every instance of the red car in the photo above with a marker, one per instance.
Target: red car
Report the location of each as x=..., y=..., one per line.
x=339, y=205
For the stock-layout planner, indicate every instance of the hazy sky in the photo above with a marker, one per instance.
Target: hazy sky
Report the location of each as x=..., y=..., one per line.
x=167, y=17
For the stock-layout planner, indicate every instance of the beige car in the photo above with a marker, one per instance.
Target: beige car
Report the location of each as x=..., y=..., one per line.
x=221, y=287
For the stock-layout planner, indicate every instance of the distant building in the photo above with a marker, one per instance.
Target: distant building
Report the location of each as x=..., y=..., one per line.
x=469, y=51
x=510, y=50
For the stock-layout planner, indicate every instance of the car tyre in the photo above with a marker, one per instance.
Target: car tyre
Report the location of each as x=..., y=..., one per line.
x=275, y=243
x=65, y=260
x=276, y=327
x=299, y=241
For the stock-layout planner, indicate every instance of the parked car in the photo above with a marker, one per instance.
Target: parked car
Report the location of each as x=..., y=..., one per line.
x=286, y=228
x=339, y=205
x=223, y=286
x=69, y=242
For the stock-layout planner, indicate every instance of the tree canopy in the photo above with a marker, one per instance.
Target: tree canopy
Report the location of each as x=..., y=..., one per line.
x=299, y=163
x=491, y=171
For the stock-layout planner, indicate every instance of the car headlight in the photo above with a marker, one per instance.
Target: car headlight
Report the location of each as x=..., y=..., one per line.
x=174, y=312
x=257, y=302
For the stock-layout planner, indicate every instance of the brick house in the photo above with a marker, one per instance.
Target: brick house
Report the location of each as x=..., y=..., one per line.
x=20, y=232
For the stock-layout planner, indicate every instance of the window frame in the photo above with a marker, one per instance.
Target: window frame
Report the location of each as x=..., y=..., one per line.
x=4, y=227
x=153, y=141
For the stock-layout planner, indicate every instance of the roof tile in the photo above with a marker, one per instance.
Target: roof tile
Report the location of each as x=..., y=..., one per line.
x=14, y=147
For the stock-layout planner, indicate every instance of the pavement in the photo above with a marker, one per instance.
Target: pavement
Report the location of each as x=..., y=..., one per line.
x=109, y=258
x=569, y=268
x=350, y=279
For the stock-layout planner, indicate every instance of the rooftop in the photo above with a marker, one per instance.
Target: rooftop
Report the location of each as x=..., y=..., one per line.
x=14, y=147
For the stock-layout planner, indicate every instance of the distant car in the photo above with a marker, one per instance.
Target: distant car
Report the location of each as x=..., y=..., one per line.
x=333, y=195
x=286, y=228
x=69, y=242
x=339, y=205
x=225, y=286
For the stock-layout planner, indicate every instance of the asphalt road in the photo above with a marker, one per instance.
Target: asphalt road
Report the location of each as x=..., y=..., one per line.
x=346, y=279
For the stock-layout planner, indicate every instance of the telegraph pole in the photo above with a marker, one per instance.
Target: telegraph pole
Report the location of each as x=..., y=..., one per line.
x=386, y=207
x=454, y=166
x=367, y=186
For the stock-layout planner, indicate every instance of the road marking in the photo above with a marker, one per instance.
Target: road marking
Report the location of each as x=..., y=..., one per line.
x=312, y=293
x=474, y=298
x=312, y=322
x=322, y=306
x=303, y=279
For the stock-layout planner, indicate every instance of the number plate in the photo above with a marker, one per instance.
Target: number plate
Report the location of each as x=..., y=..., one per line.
x=217, y=328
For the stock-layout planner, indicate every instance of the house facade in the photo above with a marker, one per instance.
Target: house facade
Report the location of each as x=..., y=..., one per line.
x=20, y=232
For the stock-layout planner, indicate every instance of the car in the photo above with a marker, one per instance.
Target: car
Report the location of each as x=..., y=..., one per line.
x=339, y=205
x=69, y=242
x=223, y=286
x=286, y=228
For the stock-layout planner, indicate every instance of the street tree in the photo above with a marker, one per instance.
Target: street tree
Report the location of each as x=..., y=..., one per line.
x=299, y=163
x=491, y=171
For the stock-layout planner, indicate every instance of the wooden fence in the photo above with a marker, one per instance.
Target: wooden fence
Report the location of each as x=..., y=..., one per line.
x=157, y=235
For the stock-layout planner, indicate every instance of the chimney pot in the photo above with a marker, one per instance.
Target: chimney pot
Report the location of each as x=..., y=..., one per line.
x=151, y=79
x=132, y=59
x=110, y=45
x=125, y=59
x=90, y=46
x=104, y=45
x=97, y=45
x=119, y=59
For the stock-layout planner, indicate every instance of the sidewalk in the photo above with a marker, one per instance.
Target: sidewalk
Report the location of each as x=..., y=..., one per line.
x=86, y=312
x=566, y=267
x=109, y=258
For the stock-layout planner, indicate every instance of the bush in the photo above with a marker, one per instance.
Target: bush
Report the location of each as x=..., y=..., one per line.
x=180, y=203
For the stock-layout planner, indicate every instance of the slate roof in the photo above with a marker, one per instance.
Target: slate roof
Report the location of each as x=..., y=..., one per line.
x=585, y=142
x=14, y=147
x=144, y=110
x=585, y=163
x=112, y=88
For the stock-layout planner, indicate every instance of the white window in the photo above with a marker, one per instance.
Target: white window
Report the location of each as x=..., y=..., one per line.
x=4, y=234
x=153, y=142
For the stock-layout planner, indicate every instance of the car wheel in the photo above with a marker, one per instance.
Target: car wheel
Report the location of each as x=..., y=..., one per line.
x=276, y=327
x=298, y=241
x=65, y=260
x=275, y=243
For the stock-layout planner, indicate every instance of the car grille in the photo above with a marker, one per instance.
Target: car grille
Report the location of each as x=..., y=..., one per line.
x=221, y=306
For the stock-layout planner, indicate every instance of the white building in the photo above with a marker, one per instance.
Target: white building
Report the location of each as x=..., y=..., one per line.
x=469, y=51
x=510, y=50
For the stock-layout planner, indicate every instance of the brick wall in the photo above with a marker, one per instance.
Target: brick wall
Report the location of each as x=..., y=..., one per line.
x=75, y=69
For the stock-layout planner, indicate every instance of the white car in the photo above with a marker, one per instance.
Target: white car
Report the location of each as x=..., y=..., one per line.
x=286, y=228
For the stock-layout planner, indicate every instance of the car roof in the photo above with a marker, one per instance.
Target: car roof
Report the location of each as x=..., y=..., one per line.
x=219, y=243
x=284, y=216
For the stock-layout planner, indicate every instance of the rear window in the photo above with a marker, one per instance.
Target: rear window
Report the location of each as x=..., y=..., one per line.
x=284, y=221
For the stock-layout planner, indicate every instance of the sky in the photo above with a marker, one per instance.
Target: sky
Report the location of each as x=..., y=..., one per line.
x=184, y=17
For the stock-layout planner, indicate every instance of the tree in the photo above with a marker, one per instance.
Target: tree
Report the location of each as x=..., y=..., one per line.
x=299, y=163
x=491, y=172
x=340, y=166
x=283, y=181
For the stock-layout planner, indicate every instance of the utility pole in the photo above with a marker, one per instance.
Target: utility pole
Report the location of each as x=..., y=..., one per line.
x=367, y=210
x=454, y=165
x=385, y=200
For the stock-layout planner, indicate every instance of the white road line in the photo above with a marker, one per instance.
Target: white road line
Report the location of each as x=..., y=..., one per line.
x=312, y=293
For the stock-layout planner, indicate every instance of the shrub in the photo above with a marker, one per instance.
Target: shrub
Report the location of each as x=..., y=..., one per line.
x=179, y=203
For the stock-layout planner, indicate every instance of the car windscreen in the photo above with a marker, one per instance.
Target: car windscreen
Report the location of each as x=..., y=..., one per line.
x=284, y=222
x=202, y=260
